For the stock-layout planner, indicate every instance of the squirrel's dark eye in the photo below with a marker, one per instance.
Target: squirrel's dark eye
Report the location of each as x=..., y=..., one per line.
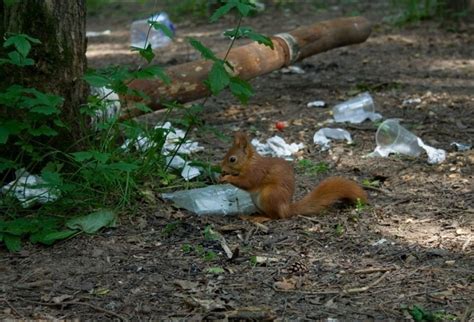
x=232, y=159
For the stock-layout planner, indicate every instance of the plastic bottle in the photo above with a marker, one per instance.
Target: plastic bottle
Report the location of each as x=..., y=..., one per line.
x=221, y=200
x=157, y=39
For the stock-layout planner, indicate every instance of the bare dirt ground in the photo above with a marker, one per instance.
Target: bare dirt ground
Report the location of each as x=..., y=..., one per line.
x=412, y=246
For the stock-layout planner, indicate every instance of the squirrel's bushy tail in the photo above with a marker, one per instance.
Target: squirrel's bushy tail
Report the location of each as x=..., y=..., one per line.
x=327, y=193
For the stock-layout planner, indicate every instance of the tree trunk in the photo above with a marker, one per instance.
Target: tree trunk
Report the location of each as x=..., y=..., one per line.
x=60, y=59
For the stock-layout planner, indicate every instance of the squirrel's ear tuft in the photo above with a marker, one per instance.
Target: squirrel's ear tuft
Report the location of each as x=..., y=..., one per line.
x=240, y=140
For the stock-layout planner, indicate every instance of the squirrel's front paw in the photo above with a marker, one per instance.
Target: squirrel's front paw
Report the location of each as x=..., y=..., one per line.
x=225, y=178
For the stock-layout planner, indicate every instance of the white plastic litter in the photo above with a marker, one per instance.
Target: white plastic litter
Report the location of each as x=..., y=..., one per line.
x=91, y=34
x=29, y=189
x=188, y=171
x=323, y=136
x=411, y=101
x=277, y=147
x=293, y=69
x=381, y=242
x=435, y=156
x=111, y=104
x=316, y=104
x=213, y=200
x=356, y=110
x=461, y=146
x=174, y=136
x=391, y=137
x=141, y=34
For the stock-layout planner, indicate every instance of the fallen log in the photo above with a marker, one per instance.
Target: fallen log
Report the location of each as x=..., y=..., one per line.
x=248, y=61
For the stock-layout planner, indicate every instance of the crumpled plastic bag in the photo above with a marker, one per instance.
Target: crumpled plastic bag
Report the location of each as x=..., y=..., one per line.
x=277, y=147
x=323, y=136
x=30, y=189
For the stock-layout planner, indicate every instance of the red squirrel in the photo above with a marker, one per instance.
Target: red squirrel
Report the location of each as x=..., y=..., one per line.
x=271, y=183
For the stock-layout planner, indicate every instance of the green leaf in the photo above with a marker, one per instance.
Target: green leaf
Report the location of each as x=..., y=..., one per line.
x=142, y=107
x=17, y=59
x=151, y=72
x=249, y=33
x=45, y=109
x=21, y=43
x=417, y=313
x=206, y=53
x=92, y=222
x=241, y=89
x=4, y=133
x=218, y=78
x=244, y=8
x=146, y=53
x=12, y=242
x=160, y=26
x=222, y=11
x=123, y=166
x=49, y=237
x=102, y=157
x=19, y=226
x=9, y=3
x=215, y=270
x=82, y=156
x=14, y=126
x=261, y=39
x=52, y=178
x=210, y=234
x=96, y=80
x=43, y=130
x=6, y=164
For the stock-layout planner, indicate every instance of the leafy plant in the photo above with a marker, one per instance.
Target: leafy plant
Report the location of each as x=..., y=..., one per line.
x=111, y=161
x=170, y=228
x=47, y=230
x=339, y=229
x=186, y=248
x=209, y=234
x=371, y=183
x=417, y=10
x=215, y=270
x=360, y=205
x=419, y=314
x=312, y=167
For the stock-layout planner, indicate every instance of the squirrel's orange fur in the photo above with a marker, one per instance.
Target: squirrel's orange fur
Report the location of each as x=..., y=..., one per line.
x=271, y=183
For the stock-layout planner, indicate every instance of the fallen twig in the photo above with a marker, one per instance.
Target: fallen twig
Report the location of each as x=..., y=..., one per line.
x=224, y=244
x=97, y=308
x=374, y=270
x=13, y=308
x=365, y=288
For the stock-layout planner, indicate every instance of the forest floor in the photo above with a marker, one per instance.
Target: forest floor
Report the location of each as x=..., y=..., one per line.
x=411, y=247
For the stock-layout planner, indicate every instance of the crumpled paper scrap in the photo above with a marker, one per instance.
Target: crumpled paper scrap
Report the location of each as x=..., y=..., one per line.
x=323, y=136
x=29, y=189
x=277, y=147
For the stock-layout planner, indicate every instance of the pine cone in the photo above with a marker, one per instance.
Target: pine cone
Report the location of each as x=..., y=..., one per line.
x=297, y=268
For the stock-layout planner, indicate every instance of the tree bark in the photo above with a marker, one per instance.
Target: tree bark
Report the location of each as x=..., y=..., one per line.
x=60, y=59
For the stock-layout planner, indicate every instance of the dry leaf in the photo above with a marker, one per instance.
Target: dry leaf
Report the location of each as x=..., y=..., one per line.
x=61, y=298
x=187, y=285
x=210, y=305
x=286, y=284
